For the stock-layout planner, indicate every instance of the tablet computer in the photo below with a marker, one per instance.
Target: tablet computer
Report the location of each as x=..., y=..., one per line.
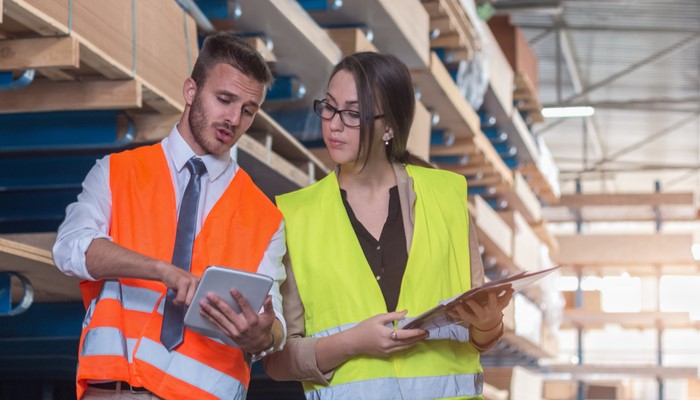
x=220, y=280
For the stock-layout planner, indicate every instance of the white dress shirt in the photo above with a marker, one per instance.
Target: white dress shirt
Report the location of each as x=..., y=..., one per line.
x=89, y=218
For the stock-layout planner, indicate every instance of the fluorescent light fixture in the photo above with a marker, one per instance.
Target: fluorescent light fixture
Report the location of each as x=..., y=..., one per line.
x=567, y=112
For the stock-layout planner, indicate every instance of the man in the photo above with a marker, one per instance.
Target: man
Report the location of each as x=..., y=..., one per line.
x=128, y=237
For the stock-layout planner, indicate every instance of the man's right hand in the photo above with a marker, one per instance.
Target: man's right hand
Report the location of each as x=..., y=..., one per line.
x=181, y=281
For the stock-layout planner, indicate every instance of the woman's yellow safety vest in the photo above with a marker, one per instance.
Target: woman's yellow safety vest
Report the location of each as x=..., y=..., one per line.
x=338, y=289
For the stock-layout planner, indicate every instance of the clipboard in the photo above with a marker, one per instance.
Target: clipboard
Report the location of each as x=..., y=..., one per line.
x=438, y=316
x=220, y=280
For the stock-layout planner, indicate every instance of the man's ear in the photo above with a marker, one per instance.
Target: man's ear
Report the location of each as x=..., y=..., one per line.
x=189, y=90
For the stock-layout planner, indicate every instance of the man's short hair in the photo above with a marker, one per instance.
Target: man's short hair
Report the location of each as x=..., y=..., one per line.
x=225, y=48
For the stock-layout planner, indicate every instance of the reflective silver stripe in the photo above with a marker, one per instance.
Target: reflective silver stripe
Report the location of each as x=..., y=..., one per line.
x=190, y=370
x=131, y=298
x=107, y=342
x=334, y=330
x=88, y=314
x=451, y=332
x=454, y=332
x=430, y=387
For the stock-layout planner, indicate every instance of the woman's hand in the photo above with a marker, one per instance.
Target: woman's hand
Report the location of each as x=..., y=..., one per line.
x=373, y=337
x=484, y=313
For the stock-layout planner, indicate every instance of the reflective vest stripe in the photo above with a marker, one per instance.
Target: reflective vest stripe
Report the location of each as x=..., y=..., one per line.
x=108, y=342
x=429, y=387
x=190, y=370
x=131, y=298
x=452, y=332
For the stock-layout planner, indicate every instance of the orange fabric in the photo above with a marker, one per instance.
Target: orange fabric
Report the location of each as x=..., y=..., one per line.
x=235, y=234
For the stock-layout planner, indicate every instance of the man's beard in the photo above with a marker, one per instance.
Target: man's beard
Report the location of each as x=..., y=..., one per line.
x=198, y=123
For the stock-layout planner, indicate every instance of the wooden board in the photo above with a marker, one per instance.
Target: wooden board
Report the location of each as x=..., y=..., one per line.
x=302, y=48
x=38, y=53
x=72, y=95
x=455, y=30
x=523, y=200
x=494, y=235
x=623, y=207
x=603, y=371
x=159, y=56
x=623, y=250
x=440, y=94
x=351, y=40
x=284, y=144
x=632, y=320
x=398, y=30
x=419, y=136
x=30, y=255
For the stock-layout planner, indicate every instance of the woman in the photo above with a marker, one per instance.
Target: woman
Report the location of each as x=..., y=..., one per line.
x=383, y=232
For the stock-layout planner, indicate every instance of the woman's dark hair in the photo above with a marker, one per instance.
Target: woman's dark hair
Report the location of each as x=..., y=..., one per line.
x=382, y=79
x=224, y=48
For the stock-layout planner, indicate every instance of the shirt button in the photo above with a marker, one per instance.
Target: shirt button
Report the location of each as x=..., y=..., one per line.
x=378, y=277
x=379, y=247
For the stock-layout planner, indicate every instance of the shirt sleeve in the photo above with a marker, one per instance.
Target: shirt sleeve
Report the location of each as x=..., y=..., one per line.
x=271, y=265
x=297, y=361
x=86, y=220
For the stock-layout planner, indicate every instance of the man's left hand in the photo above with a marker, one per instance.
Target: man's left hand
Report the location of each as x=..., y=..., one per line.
x=250, y=330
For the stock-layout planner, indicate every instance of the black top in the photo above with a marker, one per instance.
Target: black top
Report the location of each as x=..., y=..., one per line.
x=388, y=256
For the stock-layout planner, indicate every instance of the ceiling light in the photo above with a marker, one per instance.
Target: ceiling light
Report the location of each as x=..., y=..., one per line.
x=567, y=112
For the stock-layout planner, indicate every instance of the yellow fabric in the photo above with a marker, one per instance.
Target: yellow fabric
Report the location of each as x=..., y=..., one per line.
x=337, y=287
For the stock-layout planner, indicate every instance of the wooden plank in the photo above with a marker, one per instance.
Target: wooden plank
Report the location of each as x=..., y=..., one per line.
x=105, y=29
x=623, y=207
x=153, y=127
x=284, y=144
x=419, y=136
x=259, y=45
x=628, y=249
x=272, y=160
x=302, y=48
x=540, y=184
x=460, y=146
x=635, y=320
x=401, y=30
x=61, y=96
x=22, y=254
x=1, y=13
x=57, y=52
x=494, y=234
x=601, y=371
x=351, y=40
x=522, y=199
x=440, y=93
x=526, y=244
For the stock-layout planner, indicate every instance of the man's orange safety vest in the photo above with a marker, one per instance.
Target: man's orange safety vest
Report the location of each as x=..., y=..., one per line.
x=121, y=331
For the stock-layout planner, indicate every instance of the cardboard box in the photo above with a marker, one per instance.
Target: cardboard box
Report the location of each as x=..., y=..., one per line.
x=515, y=47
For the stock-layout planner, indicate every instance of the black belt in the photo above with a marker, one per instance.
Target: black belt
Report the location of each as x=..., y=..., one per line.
x=119, y=385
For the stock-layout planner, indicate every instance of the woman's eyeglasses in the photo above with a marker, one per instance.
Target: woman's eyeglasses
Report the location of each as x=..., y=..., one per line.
x=349, y=118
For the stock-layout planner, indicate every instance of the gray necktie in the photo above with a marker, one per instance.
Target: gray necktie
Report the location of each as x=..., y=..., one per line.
x=173, y=314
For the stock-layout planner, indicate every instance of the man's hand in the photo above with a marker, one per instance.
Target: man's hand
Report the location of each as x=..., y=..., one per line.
x=181, y=281
x=250, y=330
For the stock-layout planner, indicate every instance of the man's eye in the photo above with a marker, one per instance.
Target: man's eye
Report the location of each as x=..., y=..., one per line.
x=224, y=100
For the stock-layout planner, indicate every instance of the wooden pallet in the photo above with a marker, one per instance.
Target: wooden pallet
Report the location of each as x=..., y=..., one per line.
x=539, y=183
x=526, y=99
x=455, y=31
x=99, y=49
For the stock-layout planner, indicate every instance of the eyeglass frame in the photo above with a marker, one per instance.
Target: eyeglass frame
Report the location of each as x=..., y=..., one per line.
x=339, y=112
